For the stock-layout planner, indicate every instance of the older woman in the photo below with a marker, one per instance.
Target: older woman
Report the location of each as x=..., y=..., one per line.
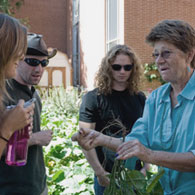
x=13, y=43
x=165, y=135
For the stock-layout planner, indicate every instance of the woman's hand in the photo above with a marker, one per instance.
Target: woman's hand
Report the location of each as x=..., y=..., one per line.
x=87, y=138
x=133, y=148
x=16, y=118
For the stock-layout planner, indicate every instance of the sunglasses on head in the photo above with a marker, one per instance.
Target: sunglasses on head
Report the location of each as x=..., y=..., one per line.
x=35, y=62
x=118, y=67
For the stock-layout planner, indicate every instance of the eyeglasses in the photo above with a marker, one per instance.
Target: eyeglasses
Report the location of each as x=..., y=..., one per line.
x=164, y=54
x=35, y=62
x=118, y=67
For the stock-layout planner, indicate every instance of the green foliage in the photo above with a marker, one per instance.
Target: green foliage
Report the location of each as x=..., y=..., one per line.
x=67, y=169
x=151, y=73
x=153, y=185
x=10, y=6
x=129, y=182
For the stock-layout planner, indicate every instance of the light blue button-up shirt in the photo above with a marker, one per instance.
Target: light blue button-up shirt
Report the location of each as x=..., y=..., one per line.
x=169, y=129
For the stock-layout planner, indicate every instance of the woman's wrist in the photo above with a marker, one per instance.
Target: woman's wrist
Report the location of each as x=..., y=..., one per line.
x=3, y=138
x=5, y=132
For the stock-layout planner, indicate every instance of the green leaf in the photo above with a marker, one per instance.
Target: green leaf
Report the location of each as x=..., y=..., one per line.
x=137, y=178
x=154, y=180
x=157, y=190
x=59, y=176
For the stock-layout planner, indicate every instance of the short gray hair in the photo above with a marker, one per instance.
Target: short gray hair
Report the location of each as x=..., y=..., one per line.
x=177, y=32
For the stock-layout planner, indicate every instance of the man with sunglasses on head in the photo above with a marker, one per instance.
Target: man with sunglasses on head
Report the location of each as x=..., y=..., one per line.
x=116, y=97
x=29, y=179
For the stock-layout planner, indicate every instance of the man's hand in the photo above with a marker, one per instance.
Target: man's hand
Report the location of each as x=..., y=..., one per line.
x=41, y=138
x=103, y=179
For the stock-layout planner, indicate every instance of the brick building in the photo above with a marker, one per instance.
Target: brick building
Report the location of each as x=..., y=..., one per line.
x=52, y=19
x=141, y=15
x=100, y=24
x=125, y=22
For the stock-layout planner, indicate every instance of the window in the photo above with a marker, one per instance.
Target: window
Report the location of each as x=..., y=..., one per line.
x=114, y=22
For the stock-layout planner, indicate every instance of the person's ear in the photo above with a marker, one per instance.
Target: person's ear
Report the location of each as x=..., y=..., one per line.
x=191, y=56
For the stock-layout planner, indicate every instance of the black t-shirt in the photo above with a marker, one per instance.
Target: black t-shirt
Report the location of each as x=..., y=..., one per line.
x=104, y=109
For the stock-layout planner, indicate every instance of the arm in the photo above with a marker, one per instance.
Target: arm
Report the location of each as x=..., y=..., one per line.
x=177, y=161
x=3, y=142
x=140, y=149
x=89, y=138
x=92, y=158
x=13, y=120
x=41, y=138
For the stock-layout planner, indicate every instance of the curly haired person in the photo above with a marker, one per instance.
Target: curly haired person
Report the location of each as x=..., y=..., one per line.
x=116, y=97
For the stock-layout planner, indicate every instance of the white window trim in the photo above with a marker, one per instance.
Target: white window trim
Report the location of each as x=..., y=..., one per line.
x=120, y=27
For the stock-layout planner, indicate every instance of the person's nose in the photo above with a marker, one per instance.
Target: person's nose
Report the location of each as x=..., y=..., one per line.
x=122, y=70
x=159, y=60
x=38, y=68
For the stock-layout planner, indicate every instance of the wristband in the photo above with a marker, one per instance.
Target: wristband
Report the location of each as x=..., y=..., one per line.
x=6, y=140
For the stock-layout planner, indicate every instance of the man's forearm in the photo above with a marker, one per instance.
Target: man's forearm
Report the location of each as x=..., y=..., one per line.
x=92, y=158
x=32, y=140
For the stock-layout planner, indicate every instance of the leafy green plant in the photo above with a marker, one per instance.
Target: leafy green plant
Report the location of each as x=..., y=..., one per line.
x=130, y=182
x=67, y=169
x=9, y=6
x=151, y=73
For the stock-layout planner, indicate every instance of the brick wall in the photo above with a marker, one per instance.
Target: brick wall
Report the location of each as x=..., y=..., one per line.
x=53, y=19
x=142, y=15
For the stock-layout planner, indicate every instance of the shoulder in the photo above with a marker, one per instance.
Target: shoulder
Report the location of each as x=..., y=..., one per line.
x=158, y=94
x=10, y=86
x=90, y=98
x=92, y=93
x=160, y=90
x=141, y=95
x=89, y=106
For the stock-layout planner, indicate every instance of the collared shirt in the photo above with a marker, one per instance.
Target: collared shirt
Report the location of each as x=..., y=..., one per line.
x=169, y=129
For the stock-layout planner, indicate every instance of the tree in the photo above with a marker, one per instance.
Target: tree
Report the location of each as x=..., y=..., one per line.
x=10, y=6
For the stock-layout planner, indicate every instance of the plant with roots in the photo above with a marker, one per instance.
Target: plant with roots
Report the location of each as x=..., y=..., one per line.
x=129, y=182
